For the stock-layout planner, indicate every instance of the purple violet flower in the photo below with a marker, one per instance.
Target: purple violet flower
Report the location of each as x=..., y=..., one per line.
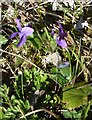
x=23, y=33
x=60, y=38
x=63, y=65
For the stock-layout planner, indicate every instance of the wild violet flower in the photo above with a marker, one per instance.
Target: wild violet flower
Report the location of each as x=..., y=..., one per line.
x=63, y=65
x=60, y=38
x=22, y=32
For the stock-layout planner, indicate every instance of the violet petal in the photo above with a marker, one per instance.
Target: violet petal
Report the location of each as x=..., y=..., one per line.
x=62, y=43
x=27, y=31
x=18, y=24
x=61, y=29
x=62, y=33
x=22, y=41
x=13, y=35
x=63, y=65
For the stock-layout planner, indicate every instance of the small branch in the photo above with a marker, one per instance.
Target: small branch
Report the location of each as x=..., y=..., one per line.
x=21, y=112
x=39, y=110
x=20, y=57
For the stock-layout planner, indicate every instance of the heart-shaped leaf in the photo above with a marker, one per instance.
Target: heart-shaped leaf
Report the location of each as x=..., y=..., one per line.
x=76, y=96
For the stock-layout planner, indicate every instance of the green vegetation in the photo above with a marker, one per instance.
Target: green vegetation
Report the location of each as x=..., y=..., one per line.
x=42, y=79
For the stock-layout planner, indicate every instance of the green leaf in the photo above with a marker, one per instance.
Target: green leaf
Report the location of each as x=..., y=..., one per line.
x=1, y=114
x=12, y=97
x=14, y=109
x=27, y=105
x=39, y=43
x=67, y=114
x=72, y=114
x=3, y=40
x=39, y=78
x=9, y=116
x=35, y=42
x=43, y=77
x=65, y=72
x=16, y=102
x=76, y=96
x=26, y=73
x=22, y=104
x=77, y=115
x=61, y=76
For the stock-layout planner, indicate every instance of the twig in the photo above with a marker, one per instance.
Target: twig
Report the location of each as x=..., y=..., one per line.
x=39, y=110
x=20, y=57
x=22, y=112
x=10, y=69
x=36, y=6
